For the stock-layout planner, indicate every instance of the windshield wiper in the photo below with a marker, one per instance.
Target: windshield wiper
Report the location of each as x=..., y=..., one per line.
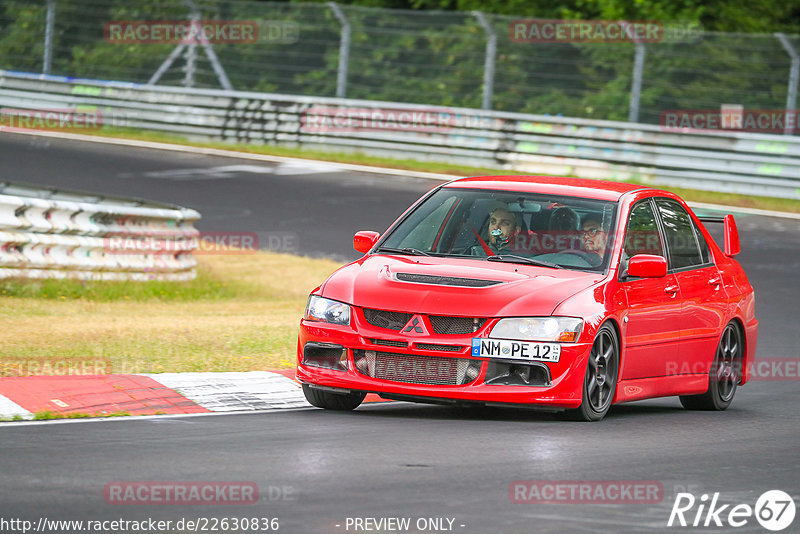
x=410, y=251
x=512, y=258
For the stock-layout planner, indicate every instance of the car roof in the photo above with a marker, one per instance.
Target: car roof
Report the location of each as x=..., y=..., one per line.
x=556, y=185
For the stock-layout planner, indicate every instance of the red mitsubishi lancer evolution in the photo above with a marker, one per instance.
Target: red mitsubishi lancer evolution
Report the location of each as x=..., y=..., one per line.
x=532, y=291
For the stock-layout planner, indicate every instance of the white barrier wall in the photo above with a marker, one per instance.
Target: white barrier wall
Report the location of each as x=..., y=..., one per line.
x=47, y=233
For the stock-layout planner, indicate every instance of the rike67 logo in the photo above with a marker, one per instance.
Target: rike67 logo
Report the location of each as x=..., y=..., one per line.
x=774, y=510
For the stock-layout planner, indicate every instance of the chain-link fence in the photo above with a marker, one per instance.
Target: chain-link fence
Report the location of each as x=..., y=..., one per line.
x=445, y=58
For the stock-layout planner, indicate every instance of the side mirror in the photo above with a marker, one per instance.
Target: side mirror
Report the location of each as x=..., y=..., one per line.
x=732, y=245
x=647, y=266
x=364, y=240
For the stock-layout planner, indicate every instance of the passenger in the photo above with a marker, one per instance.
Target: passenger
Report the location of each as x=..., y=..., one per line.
x=595, y=237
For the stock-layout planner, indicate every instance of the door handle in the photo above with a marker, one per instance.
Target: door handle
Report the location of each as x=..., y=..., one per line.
x=671, y=290
x=714, y=282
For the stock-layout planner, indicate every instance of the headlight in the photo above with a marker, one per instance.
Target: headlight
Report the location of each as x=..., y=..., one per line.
x=566, y=329
x=327, y=310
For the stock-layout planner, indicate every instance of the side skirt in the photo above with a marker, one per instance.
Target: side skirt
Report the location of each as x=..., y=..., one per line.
x=661, y=386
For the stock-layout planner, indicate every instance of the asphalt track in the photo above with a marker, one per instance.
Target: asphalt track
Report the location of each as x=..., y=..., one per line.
x=397, y=459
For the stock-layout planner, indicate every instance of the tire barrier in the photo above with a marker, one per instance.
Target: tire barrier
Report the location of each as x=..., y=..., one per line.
x=50, y=233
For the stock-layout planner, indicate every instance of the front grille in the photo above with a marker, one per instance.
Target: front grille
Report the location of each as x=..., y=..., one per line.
x=441, y=324
x=455, y=325
x=389, y=343
x=413, y=369
x=436, y=346
x=445, y=280
x=387, y=319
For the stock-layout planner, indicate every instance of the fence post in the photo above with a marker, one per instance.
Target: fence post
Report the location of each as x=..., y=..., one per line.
x=50, y=22
x=794, y=72
x=344, y=50
x=488, y=66
x=191, y=54
x=636, y=85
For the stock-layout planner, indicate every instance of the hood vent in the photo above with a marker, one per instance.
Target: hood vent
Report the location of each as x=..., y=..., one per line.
x=445, y=280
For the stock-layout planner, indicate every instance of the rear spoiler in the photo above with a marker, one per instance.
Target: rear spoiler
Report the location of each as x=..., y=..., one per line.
x=731, y=233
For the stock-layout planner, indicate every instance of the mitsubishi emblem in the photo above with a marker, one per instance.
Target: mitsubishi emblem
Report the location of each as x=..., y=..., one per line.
x=415, y=324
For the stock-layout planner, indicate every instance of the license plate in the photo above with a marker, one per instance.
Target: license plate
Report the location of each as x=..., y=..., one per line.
x=515, y=350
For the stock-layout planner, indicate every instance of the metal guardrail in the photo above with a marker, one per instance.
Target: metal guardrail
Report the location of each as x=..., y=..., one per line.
x=49, y=233
x=736, y=162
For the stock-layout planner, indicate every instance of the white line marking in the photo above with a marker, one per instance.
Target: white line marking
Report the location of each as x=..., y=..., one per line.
x=9, y=408
x=150, y=418
x=155, y=418
x=208, y=173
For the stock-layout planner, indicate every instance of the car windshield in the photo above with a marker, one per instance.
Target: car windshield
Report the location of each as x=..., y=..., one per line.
x=507, y=226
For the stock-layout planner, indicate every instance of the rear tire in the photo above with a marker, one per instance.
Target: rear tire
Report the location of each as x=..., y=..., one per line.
x=333, y=401
x=600, y=382
x=726, y=372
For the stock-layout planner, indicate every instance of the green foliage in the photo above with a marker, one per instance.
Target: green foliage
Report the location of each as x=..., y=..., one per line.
x=434, y=51
x=764, y=16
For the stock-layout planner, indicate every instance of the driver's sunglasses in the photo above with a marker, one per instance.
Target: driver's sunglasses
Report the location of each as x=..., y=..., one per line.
x=592, y=231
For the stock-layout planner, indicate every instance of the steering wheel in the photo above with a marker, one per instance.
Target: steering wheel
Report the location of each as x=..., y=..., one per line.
x=592, y=258
x=465, y=251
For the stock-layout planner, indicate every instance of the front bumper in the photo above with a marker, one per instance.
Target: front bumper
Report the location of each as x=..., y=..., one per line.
x=562, y=387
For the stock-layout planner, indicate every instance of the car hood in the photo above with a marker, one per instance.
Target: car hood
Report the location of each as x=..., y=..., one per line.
x=381, y=282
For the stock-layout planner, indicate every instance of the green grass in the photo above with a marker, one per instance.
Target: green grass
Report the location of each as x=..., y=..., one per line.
x=47, y=415
x=711, y=197
x=239, y=315
x=205, y=287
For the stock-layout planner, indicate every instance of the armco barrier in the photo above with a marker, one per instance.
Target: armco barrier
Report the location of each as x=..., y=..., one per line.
x=729, y=161
x=48, y=233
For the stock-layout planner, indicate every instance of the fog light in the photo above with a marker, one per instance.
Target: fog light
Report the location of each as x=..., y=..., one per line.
x=511, y=374
x=325, y=355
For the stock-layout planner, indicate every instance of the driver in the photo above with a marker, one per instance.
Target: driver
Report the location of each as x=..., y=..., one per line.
x=503, y=226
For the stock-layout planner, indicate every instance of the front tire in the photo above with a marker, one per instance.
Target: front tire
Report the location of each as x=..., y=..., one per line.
x=600, y=382
x=724, y=376
x=333, y=401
